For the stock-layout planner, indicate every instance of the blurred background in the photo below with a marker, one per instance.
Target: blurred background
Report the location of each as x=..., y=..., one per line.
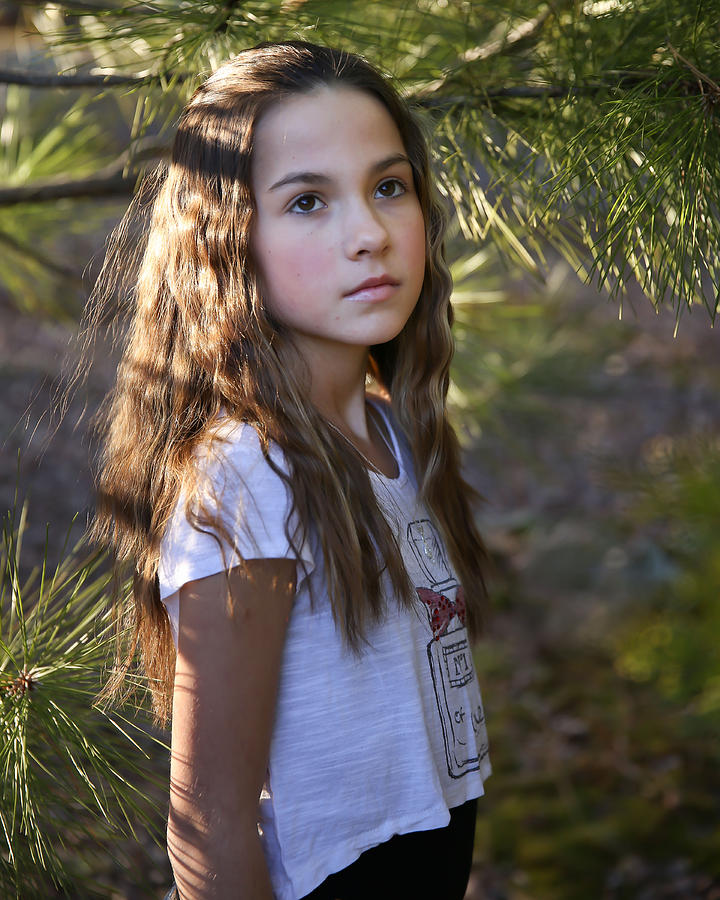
x=577, y=145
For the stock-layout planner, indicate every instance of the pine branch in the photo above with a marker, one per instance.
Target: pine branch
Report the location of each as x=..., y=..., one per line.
x=704, y=82
x=523, y=31
x=622, y=81
x=111, y=185
x=116, y=180
x=97, y=79
x=83, y=80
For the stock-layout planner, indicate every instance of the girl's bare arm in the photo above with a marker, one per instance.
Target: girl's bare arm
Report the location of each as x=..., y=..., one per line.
x=226, y=681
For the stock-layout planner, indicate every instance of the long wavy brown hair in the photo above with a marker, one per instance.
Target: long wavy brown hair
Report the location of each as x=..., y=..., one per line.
x=201, y=342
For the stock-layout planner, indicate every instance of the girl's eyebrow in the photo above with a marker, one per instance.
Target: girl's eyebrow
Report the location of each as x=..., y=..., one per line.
x=317, y=178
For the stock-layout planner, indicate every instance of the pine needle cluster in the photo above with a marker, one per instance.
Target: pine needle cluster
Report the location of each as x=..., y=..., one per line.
x=584, y=127
x=70, y=771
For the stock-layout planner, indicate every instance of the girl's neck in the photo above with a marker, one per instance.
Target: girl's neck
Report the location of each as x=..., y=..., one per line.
x=337, y=389
x=338, y=392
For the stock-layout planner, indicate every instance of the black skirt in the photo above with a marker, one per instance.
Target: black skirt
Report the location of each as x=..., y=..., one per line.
x=424, y=865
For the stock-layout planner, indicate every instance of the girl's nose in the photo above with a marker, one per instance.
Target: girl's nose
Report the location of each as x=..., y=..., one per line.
x=365, y=232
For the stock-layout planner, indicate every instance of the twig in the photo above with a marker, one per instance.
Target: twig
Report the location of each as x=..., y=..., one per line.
x=82, y=80
x=701, y=77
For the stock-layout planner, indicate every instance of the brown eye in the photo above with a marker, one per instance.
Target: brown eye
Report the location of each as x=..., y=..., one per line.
x=393, y=187
x=306, y=203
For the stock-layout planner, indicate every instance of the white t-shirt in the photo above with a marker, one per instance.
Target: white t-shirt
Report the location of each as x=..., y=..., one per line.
x=363, y=747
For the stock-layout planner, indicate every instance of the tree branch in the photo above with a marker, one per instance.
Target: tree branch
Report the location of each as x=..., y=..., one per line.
x=115, y=184
x=701, y=77
x=117, y=179
x=83, y=80
x=530, y=91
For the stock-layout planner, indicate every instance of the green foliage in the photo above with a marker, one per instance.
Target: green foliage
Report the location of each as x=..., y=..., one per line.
x=600, y=678
x=71, y=773
x=517, y=360
x=671, y=641
x=42, y=140
x=589, y=126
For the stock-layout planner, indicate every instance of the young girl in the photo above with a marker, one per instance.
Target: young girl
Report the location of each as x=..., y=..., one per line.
x=307, y=567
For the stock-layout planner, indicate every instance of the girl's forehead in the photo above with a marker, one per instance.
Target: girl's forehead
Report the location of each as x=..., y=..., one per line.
x=326, y=126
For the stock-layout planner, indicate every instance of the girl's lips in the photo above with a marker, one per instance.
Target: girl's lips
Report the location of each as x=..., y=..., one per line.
x=373, y=289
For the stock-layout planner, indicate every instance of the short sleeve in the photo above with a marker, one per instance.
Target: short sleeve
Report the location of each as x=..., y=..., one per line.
x=252, y=501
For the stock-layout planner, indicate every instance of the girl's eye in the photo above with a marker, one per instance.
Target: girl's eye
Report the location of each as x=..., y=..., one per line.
x=306, y=203
x=393, y=187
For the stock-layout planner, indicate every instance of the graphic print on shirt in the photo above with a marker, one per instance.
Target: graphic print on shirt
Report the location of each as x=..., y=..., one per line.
x=451, y=665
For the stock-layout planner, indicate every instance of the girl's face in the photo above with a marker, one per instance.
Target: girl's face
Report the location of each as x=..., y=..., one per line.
x=339, y=236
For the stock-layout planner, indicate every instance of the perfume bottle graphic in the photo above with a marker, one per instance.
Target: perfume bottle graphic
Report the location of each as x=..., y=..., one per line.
x=430, y=553
x=451, y=665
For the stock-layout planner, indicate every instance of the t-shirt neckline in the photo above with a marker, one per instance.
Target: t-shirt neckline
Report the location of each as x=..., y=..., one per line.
x=400, y=477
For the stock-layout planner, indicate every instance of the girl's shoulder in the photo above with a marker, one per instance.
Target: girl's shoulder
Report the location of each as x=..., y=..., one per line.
x=235, y=447
x=232, y=469
x=234, y=505
x=232, y=434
